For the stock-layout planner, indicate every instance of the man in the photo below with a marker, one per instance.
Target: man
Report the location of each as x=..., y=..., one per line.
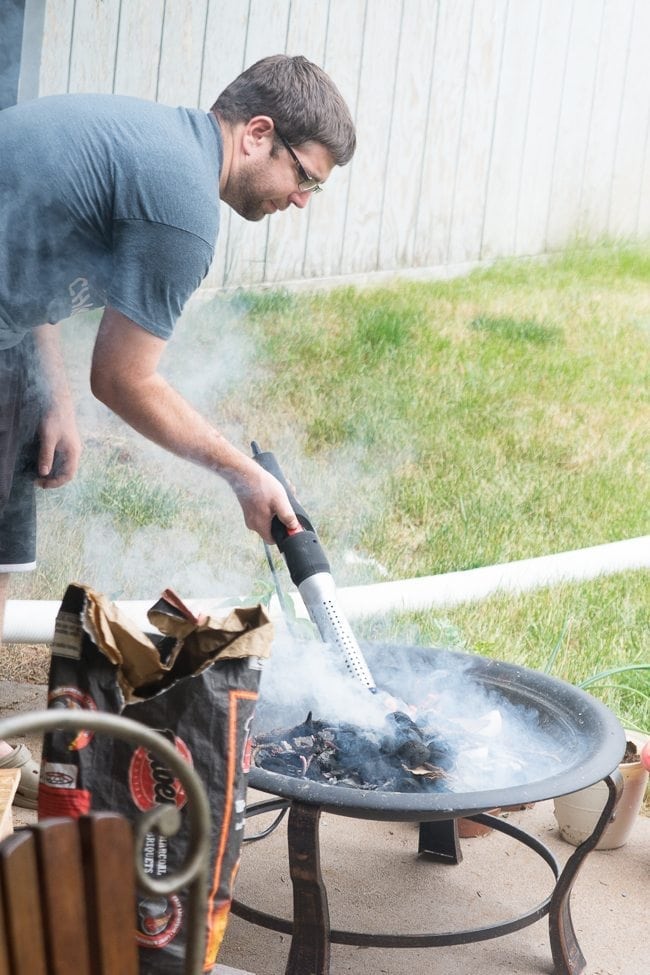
x=114, y=202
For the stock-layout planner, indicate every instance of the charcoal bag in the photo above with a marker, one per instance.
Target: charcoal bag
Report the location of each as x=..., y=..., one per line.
x=196, y=681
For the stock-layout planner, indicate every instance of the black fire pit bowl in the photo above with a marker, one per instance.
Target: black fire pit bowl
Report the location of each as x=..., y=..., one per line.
x=592, y=740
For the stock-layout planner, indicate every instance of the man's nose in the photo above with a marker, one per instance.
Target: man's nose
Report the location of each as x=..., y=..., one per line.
x=299, y=199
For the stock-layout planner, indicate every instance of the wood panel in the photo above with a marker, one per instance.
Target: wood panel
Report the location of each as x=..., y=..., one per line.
x=643, y=212
x=627, y=200
x=442, y=138
x=138, y=49
x=374, y=119
x=182, y=51
x=596, y=183
x=538, y=152
x=572, y=134
x=327, y=214
x=94, y=46
x=510, y=129
x=402, y=195
x=55, y=52
x=479, y=113
x=287, y=232
x=224, y=57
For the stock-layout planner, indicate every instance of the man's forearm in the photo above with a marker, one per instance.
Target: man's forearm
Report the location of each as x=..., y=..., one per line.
x=59, y=444
x=125, y=377
x=48, y=343
x=158, y=412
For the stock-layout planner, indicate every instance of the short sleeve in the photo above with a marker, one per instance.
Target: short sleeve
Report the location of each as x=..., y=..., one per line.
x=155, y=270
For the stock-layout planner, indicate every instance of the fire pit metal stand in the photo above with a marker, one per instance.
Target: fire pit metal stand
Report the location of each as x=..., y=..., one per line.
x=312, y=935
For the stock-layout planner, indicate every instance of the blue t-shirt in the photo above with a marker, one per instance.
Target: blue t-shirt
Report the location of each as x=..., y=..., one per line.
x=104, y=200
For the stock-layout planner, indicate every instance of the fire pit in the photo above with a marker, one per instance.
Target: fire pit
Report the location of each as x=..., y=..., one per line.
x=580, y=742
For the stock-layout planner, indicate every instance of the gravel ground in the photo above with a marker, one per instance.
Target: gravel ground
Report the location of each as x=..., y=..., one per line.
x=25, y=664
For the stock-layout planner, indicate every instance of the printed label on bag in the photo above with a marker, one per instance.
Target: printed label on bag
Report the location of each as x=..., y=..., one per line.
x=54, y=801
x=67, y=636
x=159, y=920
x=247, y=751
x=69, y=698
x=59, y=775
x=151, y=783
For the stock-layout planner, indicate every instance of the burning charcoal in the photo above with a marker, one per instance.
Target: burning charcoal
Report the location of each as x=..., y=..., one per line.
x=399, y=758
x=307, y=729
x=303, y=743
x=327, y=759
x=412, y=753
x=440, y=753
x=284, y=763
x=403, y=723
x=405, y=740
x=376, y=771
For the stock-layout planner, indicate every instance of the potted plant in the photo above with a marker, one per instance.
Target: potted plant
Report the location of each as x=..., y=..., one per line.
x=578, y=812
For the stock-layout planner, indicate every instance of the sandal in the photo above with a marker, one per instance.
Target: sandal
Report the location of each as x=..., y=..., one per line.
x=27, y=792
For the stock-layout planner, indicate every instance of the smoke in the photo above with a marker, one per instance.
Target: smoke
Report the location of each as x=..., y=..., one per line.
x=206, y=551
x=497, y=741
x=138, y=520
x=309, y=675
x=151, y=559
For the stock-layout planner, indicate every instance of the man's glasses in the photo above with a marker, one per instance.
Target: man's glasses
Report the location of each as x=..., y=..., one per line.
x=306, y=183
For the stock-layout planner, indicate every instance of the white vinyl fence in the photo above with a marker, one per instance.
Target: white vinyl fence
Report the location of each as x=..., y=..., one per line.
x=486, y=128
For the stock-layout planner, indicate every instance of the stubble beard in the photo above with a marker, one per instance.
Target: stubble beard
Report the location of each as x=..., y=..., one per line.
x=246, y=198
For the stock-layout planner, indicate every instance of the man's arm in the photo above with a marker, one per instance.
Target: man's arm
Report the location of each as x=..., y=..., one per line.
x=124, y=376
x=60, y=446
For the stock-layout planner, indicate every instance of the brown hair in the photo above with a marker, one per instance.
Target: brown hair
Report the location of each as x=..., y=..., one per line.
x=301, y=99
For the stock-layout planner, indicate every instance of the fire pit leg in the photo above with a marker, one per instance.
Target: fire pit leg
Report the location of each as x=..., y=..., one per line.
x=439, y=841
x=567, y=956
x=310, y=944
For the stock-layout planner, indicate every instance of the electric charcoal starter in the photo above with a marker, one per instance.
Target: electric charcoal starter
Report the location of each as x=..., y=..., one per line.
x=310, y=572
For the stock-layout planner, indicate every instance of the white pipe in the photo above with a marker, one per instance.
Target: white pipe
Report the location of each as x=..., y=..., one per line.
x=32, y=621
x=453, y=588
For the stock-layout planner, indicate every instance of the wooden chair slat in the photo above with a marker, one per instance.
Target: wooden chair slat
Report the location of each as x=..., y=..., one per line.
x=68, y=900
x=108, y=853
x=63, y=898
x=22, y=908
x=4, y=954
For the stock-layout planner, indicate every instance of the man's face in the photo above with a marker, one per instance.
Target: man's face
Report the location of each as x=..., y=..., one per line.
x=264, y=182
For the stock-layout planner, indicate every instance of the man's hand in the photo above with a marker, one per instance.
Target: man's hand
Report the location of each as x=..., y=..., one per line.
x=60, y=445
x=262, y=498
x=60, y=448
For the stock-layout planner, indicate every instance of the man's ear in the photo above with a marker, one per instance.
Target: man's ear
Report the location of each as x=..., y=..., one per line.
x=258, y=132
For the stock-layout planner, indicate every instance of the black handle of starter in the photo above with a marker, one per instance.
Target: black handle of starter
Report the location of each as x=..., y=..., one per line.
x=302, y=550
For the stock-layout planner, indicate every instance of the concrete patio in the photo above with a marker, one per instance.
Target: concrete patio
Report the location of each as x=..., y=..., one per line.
x=376, y=882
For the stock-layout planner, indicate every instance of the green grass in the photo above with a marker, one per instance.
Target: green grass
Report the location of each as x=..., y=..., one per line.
x=507, y=411
x=127, y=494
x=429, y=427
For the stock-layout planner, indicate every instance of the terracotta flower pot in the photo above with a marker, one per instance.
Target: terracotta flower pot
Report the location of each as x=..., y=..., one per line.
x=578, y=813
x=468, y=828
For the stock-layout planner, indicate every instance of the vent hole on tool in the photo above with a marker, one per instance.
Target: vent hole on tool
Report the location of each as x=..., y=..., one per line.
x=343, y=638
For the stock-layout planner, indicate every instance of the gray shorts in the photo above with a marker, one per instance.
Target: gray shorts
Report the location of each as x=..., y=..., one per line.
x=21, y=399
